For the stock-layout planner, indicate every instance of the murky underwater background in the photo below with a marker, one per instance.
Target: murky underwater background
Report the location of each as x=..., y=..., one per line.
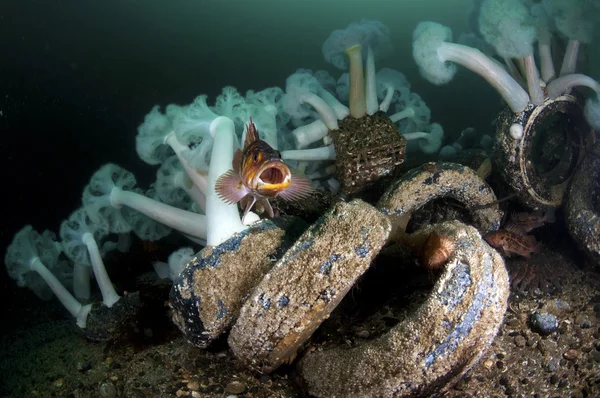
x=77, y=79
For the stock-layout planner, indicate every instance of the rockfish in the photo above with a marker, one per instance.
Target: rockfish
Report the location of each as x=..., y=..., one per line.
x=530, y=221
x=259, y=174
x=513, y=240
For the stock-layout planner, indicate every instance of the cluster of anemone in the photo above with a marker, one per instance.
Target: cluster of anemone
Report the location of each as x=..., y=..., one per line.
x=193, y=145
x=513, y=32
x=316, y=102
x=183, y=198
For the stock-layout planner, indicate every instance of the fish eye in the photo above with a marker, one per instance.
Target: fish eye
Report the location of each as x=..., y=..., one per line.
x=255, y=157
x=279, y=154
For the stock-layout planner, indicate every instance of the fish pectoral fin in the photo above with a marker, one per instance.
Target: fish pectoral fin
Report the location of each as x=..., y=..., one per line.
x=300, y=187
x=230, y=188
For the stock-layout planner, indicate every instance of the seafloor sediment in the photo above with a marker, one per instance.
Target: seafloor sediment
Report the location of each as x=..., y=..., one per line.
x=51, y=359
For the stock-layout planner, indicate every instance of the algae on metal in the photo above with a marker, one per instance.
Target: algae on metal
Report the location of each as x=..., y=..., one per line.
x=307, y=283
x=104, y=324
x=583, y=205
x=207, y=296
x=555, y=126
x=309, y=208
x=436, y=344
x=368, y=151
x=442, y=180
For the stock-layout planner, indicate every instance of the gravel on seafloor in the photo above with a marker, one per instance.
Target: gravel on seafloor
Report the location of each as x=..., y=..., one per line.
x=548, y=345
x=54, y=360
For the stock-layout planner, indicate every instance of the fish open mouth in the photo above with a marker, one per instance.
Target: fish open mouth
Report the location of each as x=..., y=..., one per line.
x=274, y=176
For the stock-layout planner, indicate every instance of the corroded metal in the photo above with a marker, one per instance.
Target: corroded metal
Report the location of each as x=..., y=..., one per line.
x=368, y=150
x=583, y=205
x=443, y=180
x=307, y=283
x=104, y=324
x=309, y=208
x=206, y=298
x=437, y=344
x=539, y=165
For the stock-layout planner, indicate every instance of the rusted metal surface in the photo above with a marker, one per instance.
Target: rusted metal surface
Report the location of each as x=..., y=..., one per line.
x=539, y=165
x=368, y=150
